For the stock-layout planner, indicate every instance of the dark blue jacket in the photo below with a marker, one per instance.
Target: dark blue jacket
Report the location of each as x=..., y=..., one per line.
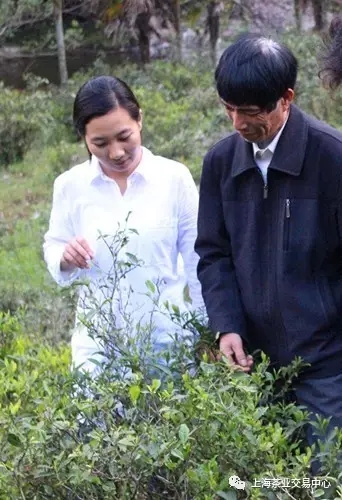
x=271, y=255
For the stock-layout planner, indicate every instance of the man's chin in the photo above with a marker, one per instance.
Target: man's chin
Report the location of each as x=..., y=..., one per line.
x=249, y=136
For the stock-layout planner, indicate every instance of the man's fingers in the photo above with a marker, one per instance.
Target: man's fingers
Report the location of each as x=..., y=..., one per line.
x=241, y=358
x=231, y=347
x=250, y=360
x=228, y=353
x=247, y=366
x=239, y=353
x=237, y=366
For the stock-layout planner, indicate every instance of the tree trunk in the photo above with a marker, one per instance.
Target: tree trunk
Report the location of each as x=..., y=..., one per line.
x=58, y=15
x=298, y=8
x=177, y=24
x=213, y=20
x=142, y=25
x=319, y=12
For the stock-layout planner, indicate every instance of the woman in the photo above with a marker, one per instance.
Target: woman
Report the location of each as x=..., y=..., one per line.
x=123, y=204
x=331, y=61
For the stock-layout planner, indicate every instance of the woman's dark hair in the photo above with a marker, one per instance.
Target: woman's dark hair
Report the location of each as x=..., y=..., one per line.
x=331, y=58
x=255, y=71
x=100, y=95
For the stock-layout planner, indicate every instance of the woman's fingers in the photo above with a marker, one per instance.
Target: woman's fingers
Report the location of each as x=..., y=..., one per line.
x=78, y=253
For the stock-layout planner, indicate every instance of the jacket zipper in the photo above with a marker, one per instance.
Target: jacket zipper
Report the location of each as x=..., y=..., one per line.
x=287, y=223
x=287, y=208
x=265, y=184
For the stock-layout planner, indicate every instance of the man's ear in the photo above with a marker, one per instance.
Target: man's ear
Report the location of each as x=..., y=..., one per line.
x=288, y=96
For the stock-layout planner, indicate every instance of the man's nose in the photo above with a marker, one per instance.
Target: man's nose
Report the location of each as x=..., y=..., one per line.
x=239, y=122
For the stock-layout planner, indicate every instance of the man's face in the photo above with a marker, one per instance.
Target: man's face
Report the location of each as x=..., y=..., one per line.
x=258, y=125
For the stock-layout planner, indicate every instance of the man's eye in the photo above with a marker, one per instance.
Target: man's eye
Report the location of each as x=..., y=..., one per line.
x=100, y=145
x=125, y=137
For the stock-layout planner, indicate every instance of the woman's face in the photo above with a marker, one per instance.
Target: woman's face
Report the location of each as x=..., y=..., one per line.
x=115, y=139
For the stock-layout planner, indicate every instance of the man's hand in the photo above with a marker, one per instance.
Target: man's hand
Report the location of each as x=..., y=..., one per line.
x=77, y=253
x=231, y=346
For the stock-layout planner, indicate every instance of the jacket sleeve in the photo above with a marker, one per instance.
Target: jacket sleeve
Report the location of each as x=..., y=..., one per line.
x=59, y=233
x=187, y=232
x=216, y=267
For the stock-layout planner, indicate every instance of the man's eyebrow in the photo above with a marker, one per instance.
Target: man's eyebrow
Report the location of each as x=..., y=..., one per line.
x=240, y=108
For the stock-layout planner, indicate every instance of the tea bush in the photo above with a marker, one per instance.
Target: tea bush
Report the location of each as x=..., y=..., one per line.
x=175, y=438
x=31, y=120
x=20, y=120
x=25, y=201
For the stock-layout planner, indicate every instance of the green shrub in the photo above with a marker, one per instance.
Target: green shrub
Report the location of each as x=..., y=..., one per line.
x=25, y=201
x=61, y=157
x=26, y=286
x=164, y=424
x=32, y=119
x=178, y=438
x=21, y=118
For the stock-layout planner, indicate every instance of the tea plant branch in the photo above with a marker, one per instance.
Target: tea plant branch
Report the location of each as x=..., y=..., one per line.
x=73, y=493
x=21, y=492
x=284, y=490
x=68, y=433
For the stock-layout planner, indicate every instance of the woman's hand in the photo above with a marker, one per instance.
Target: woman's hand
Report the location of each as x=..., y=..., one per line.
x=77, y=253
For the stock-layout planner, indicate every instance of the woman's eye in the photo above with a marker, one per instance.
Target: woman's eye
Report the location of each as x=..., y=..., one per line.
x=101, y=145
x=124, y=138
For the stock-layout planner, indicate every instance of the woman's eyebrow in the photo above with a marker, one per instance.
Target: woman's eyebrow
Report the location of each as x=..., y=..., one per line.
x=102, y=137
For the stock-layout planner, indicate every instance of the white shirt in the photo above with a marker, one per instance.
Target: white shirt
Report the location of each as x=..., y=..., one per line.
x=263, y=157
x=161, y=203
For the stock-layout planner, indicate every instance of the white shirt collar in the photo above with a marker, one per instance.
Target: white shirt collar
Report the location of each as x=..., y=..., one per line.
x=272, y=146
x=143, y=169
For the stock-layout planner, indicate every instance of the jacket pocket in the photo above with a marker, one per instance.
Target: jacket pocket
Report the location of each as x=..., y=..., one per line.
x=286, y=231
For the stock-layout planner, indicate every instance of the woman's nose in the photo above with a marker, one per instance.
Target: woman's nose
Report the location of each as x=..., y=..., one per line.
x=115, y=151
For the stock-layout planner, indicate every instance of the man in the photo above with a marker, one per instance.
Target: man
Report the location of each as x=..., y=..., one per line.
x=270, y=226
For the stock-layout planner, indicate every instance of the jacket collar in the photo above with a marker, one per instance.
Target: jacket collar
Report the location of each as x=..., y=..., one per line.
x=289, y=153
